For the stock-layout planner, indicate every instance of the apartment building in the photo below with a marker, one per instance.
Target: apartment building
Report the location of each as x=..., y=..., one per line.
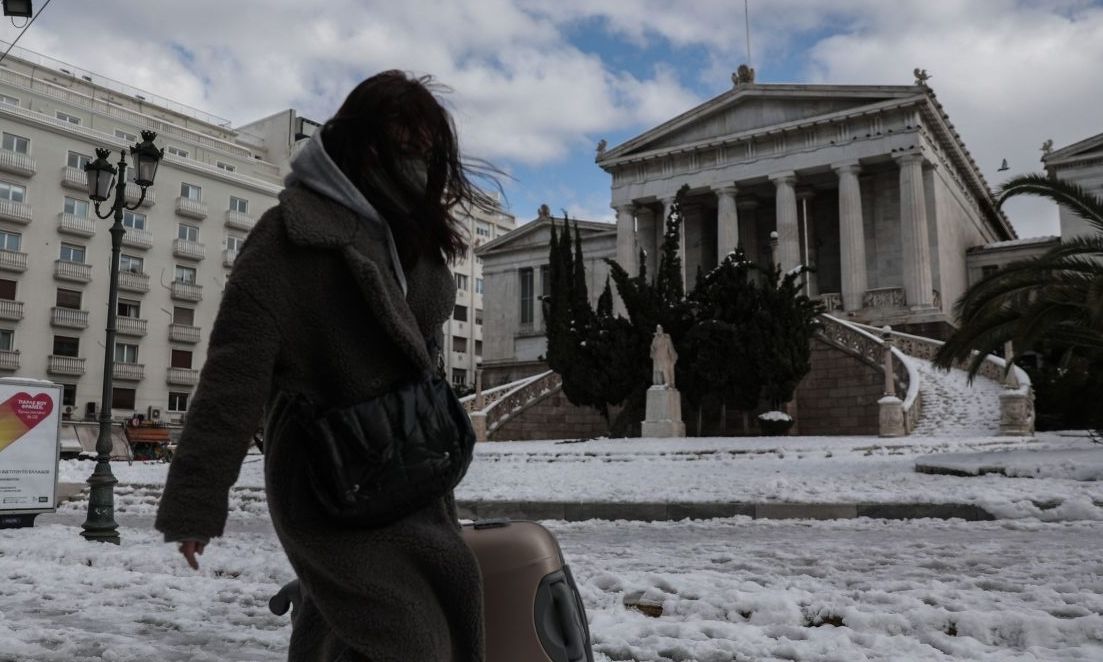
x=463, y=333
x=178, y=249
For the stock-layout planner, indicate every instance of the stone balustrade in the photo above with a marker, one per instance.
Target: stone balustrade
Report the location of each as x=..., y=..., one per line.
x=13, y=261
x=17, y=164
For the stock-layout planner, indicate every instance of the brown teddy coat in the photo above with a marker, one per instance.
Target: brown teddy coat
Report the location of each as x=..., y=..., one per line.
x=313, y=306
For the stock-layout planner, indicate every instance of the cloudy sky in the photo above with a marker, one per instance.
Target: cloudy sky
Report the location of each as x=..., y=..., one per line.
x=536, y=83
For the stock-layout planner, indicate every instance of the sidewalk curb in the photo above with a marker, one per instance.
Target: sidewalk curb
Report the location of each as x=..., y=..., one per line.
x=667, y=512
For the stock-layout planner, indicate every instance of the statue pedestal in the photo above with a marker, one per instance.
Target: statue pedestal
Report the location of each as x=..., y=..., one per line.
x=664, y=413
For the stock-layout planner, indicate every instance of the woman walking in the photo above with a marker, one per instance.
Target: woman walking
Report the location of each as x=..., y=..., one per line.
x=333, y=297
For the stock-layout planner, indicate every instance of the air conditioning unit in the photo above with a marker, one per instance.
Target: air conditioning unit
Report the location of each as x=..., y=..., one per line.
x=90, y=410
x=154, y=414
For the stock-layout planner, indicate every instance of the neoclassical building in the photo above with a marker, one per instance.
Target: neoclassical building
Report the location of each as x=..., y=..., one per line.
x=869, y=184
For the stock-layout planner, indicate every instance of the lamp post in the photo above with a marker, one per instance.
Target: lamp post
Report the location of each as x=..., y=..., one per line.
x=100, y=524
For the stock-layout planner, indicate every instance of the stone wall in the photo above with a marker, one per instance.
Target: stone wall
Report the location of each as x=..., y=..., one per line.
x=553, y=417
x=839, y=396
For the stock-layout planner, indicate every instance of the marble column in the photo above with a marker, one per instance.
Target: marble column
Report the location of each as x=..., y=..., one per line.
x=727, y=222
x=913, y=232
x=788, y=233
x=626, y=245
x=650, y=238
x=852, y=239
x=807, y=234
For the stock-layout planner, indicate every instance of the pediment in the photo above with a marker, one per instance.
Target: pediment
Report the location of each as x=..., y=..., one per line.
x=537, y=234
x=1089, y=148
x=758, y=108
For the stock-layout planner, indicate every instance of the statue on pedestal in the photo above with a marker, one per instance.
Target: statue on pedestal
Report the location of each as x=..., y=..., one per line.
x=663, y=358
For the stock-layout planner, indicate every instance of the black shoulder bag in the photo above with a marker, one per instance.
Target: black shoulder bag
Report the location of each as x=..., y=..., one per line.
x=378, y=461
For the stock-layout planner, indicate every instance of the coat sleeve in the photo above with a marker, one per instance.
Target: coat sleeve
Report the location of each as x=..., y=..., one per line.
x=228, y=404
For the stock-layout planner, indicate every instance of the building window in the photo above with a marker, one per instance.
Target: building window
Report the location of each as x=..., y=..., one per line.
x=7, y=340
x=461, y=282
x=122, y=398
x=13, y=192
x=185, y=275
x=72, y=253
x=478, y=286
x=14, y=143
x=526, y=295
x=133, y=220
x=11, y=101
x=183, y=316
x=131, y=264
x=482, y=229
x=7, y=290
x=178, y=401
x=459, y=344
x=187, y=232
x=478, y=316
x=125, y=135
x=239, y=205
x=68, y=395
x=65, y=346
x=78, y=160
x=66, y=117
x=191, y=192
x=177, y=151
x=460, y=314
x=545, y=281
x=76, y=207
x=125, y=353
x=478, y=348
x=228, y=167
x=10, y=241
x=234, y=243
x=181, y=358
x=459, y=376
x=68, y=299
x=128, y=308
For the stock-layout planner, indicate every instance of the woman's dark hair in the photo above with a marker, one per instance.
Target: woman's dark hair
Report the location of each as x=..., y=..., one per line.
x=387, y=123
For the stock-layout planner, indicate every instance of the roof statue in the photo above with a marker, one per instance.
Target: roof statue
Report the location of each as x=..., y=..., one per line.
x=744, y=75
x=543, y=212
x=921, y=76
x=601, y=145
x=1047, y=146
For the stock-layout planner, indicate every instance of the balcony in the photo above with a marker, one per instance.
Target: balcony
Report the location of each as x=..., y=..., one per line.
x=129, y=372
x=11, y=310
x=191, y=250
x=134, y=192
x=134, y=281
x=187, y=291
x=13, y=261
x=77, y=272
x=69, y=318
x=884, y=297
x=16, y=163
x=131, y=326
x=238, y=221
x=16, y=212
x=138, y=239
x=81, y=226
x=74, y=178
x=184, y=333
x=191, y=208
x=64, y=365
x=182, y=377
x=228, y=257
x=9, y=359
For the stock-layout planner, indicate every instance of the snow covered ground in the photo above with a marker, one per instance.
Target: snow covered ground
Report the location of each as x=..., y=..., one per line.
x=734, y=589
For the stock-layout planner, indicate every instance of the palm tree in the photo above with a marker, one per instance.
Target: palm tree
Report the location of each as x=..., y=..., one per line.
x=1054, y=300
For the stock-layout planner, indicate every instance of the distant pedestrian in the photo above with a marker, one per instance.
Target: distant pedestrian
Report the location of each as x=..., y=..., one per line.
x=333, y=297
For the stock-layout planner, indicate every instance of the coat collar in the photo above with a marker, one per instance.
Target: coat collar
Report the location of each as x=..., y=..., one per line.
x=316, y=221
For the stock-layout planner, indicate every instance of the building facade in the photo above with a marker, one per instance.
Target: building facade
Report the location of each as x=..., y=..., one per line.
x=870, y=185
x=1080, y=163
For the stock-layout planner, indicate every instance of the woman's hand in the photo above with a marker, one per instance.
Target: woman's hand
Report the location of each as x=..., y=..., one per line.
x=191, y=548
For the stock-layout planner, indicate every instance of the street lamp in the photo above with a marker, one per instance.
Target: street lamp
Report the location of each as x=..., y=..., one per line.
x=17, y=8
x=100, y=524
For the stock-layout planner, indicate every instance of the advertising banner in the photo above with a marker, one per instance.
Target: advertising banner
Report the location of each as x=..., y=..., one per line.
x=30, y=420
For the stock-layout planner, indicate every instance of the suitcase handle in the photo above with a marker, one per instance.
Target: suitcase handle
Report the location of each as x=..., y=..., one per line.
x=569, y=617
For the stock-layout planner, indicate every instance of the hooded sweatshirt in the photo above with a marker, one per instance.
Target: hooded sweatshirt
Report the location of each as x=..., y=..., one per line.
x=313, y=168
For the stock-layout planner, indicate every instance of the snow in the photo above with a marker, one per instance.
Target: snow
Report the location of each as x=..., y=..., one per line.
x=952, y=406
x=1083, y=461
x=734, y=589
x=774, y=416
